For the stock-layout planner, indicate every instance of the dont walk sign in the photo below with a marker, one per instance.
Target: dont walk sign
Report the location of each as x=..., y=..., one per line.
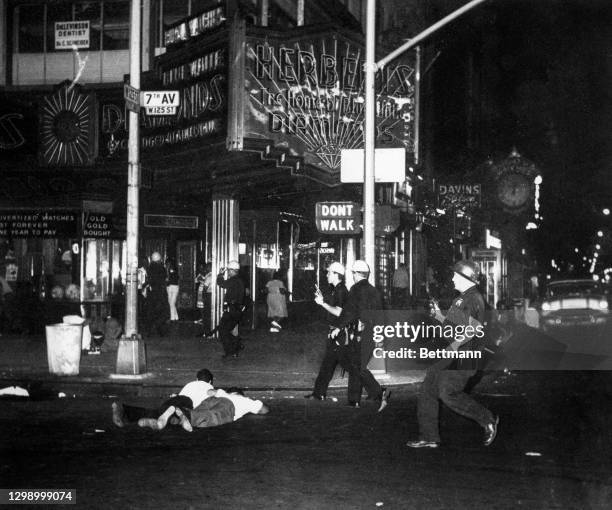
x=338, y=218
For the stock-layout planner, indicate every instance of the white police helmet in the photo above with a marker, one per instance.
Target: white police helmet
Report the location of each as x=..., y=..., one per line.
x=336, y=267
x=233, y=264
x=360, y=266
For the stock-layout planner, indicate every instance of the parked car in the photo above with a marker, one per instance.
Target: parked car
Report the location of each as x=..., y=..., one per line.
x=574, y=303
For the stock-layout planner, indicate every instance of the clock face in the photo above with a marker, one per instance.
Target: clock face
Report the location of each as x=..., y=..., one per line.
x=513, y=190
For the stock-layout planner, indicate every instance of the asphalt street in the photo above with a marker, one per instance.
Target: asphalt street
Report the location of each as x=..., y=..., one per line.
x=553, y=451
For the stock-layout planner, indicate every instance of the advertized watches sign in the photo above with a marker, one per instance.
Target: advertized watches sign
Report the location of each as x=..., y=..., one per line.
x=338, y=218
x=38, y=223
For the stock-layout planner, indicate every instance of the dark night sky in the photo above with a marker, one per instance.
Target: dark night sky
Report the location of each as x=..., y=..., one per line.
x=546, y=73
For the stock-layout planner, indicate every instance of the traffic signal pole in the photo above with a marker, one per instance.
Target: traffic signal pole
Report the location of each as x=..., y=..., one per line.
x=370, y=115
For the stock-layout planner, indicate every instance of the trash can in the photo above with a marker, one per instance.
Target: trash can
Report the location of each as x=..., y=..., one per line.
x=64, y=348
x=77, y=319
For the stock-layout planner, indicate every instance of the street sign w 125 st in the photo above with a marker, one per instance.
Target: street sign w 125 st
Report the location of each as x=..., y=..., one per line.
x=132, y=98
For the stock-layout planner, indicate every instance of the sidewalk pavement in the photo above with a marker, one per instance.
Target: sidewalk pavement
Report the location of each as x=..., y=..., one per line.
x=285, y=361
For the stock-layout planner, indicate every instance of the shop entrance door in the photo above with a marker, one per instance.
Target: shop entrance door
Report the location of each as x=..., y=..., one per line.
x=490, y=268
x=186, y=260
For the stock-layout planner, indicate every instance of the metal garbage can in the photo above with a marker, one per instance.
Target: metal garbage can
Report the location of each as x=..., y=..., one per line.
x=64, y=348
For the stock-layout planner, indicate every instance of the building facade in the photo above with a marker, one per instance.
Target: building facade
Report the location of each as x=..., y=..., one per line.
x=270, y=92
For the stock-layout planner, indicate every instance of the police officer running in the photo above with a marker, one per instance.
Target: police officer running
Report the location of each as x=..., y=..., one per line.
x=233, y=306
x=446, y=380
x=361, y=297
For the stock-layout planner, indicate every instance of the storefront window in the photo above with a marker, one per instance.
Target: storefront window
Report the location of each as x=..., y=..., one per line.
x=30, y=19
x=310, y=269
x=104, y=269
x=268, y=256
x=33, y=30
x=84, y=11
x=116, y=26
x=169, y=12
x=55, y=13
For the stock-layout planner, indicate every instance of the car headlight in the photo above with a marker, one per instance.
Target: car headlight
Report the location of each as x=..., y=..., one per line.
x=603, y=304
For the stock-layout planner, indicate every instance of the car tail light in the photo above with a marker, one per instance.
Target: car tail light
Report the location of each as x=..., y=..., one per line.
x=603, y=304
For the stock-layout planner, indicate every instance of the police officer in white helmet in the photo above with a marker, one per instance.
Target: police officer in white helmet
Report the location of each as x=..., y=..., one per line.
x=361, y=297
x=337, y=349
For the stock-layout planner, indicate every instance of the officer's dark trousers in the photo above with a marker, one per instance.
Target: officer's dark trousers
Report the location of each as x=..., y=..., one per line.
x=337, y=355
x=228, y=321
x=366, y=379
x=447, y=386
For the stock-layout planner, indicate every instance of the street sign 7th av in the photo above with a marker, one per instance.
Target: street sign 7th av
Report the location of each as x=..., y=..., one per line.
x=160, y=102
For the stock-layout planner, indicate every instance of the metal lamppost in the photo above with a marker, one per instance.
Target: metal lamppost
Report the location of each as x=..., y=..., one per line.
x=131, y=354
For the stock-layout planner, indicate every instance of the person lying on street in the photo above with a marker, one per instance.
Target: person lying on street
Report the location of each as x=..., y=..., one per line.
x=225, y=407
x=181, y=405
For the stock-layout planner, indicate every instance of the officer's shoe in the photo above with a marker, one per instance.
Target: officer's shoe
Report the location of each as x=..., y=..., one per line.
x=384, y=399
x=421, y=443
x=315, y=397
x=491, y=431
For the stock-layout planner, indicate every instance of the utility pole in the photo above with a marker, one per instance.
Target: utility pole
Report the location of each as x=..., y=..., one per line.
x=369, y=223
x=131, y=353
x=370, y=115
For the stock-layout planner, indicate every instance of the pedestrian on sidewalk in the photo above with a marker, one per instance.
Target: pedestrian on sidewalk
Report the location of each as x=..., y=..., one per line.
x=446, y=380
x=6, y=301
x=401, y=283
x=204, y=283
x=277, y=302
x=337, y=349
x=157, y=297
x=361, y=297
x=172, y=287
x=181, y=405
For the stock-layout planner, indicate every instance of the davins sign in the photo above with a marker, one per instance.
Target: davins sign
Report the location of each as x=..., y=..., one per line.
x=338, y=218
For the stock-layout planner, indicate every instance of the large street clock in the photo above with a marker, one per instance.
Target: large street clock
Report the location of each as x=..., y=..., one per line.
x=514, y=190
x=513, y=177
x=68, y=127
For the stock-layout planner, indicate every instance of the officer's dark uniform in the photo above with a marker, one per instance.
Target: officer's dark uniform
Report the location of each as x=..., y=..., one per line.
x=446, y=380
x=361, y=297
x=232, y=313
x=337, y=351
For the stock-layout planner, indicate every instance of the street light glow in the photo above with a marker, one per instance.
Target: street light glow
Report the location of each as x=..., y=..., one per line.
x=606, y=212
x=599, y=233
